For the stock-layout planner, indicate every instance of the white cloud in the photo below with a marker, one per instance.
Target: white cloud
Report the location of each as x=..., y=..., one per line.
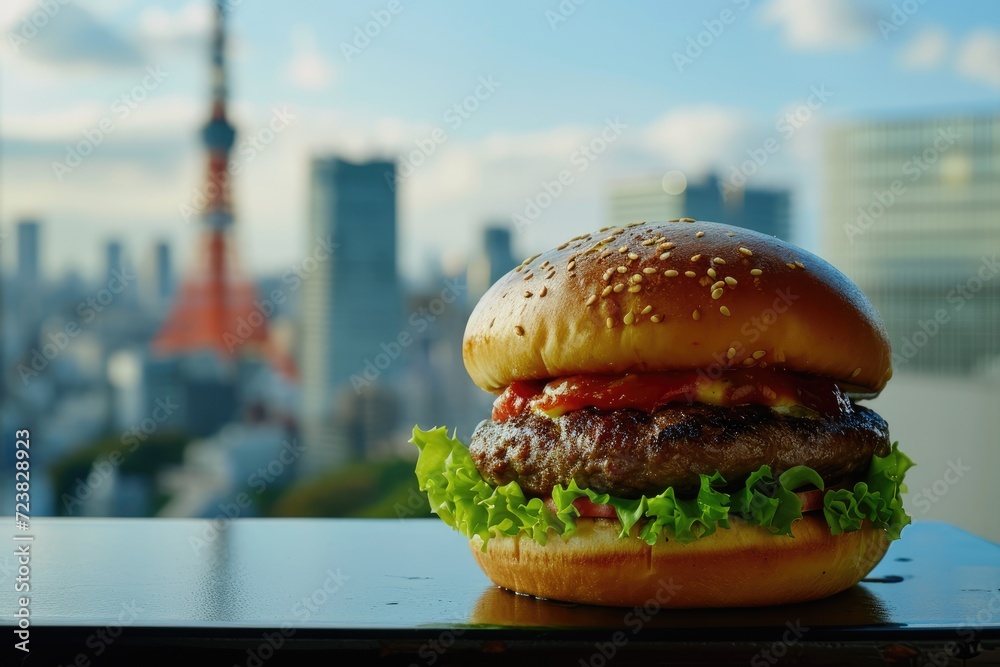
x=926, y=50
x=978, y=57
x=819, y=25
x=189, y=26
x=308, y=68
x=693, y=138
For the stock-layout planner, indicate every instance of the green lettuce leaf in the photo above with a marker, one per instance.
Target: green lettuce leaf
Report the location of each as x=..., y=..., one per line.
x=460, y=496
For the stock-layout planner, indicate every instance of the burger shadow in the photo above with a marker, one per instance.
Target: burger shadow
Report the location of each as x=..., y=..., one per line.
x=854, y=608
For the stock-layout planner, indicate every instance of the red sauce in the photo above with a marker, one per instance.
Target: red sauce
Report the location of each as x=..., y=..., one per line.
x=648, y=391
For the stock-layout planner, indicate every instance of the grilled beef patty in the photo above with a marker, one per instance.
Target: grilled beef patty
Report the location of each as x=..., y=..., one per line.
x=628, y=452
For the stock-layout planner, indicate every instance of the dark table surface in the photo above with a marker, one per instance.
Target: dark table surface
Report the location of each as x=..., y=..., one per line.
x=409, y=592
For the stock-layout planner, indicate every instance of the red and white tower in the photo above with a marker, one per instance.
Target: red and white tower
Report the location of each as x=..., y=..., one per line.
x=214, y=309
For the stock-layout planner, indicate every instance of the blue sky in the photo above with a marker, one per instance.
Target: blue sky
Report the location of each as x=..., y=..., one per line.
x=559, y=81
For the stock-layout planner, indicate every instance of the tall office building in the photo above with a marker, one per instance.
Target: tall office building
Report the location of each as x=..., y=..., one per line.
x=163, y=276
x=114, y=258
x=27, y=251
x=351, y=303
x=491, y=262
x=672, y=196
x=911, y=216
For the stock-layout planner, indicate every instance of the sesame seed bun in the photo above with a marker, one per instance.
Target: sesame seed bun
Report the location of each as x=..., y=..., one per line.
x=662, y=296
x=744, y=566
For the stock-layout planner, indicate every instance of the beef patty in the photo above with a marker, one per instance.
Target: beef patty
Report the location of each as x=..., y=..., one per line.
x=628, y=452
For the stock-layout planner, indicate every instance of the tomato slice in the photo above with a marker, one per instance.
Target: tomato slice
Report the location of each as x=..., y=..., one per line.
x=588, y=509
x=812, y=501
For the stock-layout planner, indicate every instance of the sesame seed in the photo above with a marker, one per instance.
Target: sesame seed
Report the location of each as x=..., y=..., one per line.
x=636, y=278
x=690, y=274
x=748, y=361
x=856, y=373
x=619, y=287
x=730, y=234
x=730, y=353
x=527, y=294
x=604, y=229
x=670, y=274
x=624, y=248
x=789, y=265
x=758, y=354
x=724, y=310
x=635, y=224
x=532, y=258
x=519, y=267
x=649, y=270
x=622, y=269
x=632, y=255
x=746, y=251
x=608, y=274
x=649, y=242
x=755, y=272
x=711, y=273
x=609, y=239
x=730, y=280
x=696, y=315
x=800, y=265
x=543, y=291
x=674, y=220
x=563, y=246
x=695, y=258
x=552, y=275
x=717, y=293
x=529, y=276
x=571, y=265
x=718, y=283
x=655, y=319
x=634, y=288
x=591, y=299
x=629, y=317
x=543, y=264
x=700, y=234
x=610, y=322
x=718, y=260
x=687, y=219
x=664, y=256
x=605, y=253
x=606, y=291
x=646, y=311
x=518, y=329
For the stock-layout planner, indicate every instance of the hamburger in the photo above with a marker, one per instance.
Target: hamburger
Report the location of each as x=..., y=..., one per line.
x=677, y=410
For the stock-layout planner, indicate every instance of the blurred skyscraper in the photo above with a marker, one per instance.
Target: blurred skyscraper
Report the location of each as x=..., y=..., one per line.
x=27, y=251
x=114, y=258
x=351, y=304
x=163, y=278
x=490, y=263
x=911, y=216
x=672, y=196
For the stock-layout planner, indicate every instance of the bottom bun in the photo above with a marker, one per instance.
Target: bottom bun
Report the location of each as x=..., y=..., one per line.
x=743, y=566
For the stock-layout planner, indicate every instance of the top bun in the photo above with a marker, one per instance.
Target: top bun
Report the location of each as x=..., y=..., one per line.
x=624, y=300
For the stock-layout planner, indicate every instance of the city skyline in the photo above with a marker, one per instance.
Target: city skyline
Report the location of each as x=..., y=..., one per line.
x=349, y=104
